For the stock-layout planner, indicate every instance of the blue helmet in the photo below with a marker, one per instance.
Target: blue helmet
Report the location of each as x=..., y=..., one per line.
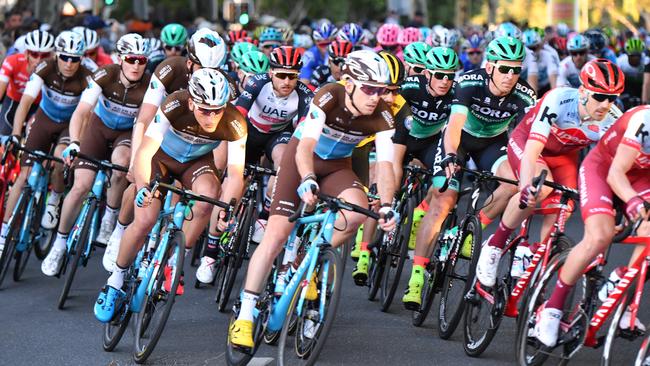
x=508, y=29
x=577, y=43
x=531, y=38
x=351, y=32
x=271, y=34
x=326, y=31
x=475, y=41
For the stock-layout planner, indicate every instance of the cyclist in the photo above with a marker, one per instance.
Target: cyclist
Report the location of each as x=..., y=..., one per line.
x=353, y=33
x=563, y=122
x=316, y=56
x=62, y=80
x=569, y=72
x=339, y=117
x=270, y=38
x=188, y=126
x=337, y=52
x=205, y=49
x=95, y=57
x=598, y=45
x=250, y=64
x=618, y=165
x=236, y=54
x=415, y=58
x=387, y=37
x=633, y=62
x=472, y=56
x=15, y=72
x=115, y=92
x=443, y=37
x=173, y=37
x=406, y=37
x=547, y=68
x=271, y=103
x=530, y=69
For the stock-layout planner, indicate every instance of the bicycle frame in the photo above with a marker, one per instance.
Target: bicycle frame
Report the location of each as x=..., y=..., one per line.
x=37, y=182
x=96, y=193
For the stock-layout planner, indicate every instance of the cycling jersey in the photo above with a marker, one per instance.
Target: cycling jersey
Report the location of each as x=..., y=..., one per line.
x=182, y=138
x=568, y=74
x=555, y=56
x=115, y=104
x=338, y=132
x=608, y=54
x=487, y=115
x=633, y=130
x=633, y=74
x=266, y=111
x=467, y=64
x=14, y=72
x=88, y=63
x=429, y=113
x=547, y=67
x=60, y=95
x=321, y=75
x=311, y=59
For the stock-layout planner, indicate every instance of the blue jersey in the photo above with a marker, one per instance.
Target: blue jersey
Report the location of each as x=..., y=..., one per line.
x=311, y=59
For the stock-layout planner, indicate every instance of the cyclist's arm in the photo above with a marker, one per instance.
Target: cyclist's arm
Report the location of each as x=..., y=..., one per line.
x=151, y=141
x=3, y=88
x=532, y=151
x=6, y=73
x=81, y=114
x=455, y=127
x=385, y=156
x=32, y=88
x=398, y=162
x=145, y=115
x=311, y=131
x=617, y=175
x=234, y=186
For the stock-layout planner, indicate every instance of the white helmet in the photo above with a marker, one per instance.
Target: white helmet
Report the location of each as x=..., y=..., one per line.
x=132, y=44
x=443, y=37
x=154, y=44
x=70, y=43
x=209, y=87
x=39, y=41
x=206, y=48
x=366, y=66
x=90, y=37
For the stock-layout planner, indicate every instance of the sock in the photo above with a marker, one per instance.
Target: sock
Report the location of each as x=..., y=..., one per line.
x=420, y=261
x=60, y=241
x=424, y=206
x=559, y=295
x=248, y=301
x=110, y=213
x=116, y=280
x=485, y=221
x=4, y=230
x=212, y=247
x=264, y=215
x=500, y=236
x=54, y=198
x=121, y=227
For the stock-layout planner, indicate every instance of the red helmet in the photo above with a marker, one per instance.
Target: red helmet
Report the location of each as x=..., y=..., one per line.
x=236, y=35
x=602, y=76
x=559, y=43
x=249, y=39
x=286, y=57
x=339, y=49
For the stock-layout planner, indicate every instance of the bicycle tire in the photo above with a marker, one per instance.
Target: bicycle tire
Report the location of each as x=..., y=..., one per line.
x=44, y=243
x=114, y=330
x=447, y=324
x=376, y=269
x=235, y=357
x=309, y=355
x=617, y=340
x=142, y=350
x=22, y=257
x=234, y=264
x=643, y=352
x=400, y=240
x=12, y=236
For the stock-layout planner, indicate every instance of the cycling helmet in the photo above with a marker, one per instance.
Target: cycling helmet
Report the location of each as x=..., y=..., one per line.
x=387, y=34
x=396, y=70
x=91, y=39
x=489, y=36
x=562, y=29
x=154, y=44
x=254, y=62
x=559, y=43
x=597, y=40
x=286, y=57
x=602, y=76
x=416, y=53
x=634, y=46
x=206, y=48
x=209, y=87
x=577, y=43
x=443, y=37
x=39, y=41
x=241, y=48
x=409, y=35
x=132, y=44
x=236, y=35
x=531, y=38
x=270, y=34
x=366, y=66
x=426, y=33
x=303, y=41
x=442, y=58
x=70, y=43
x=173, y=34
x=351, y=32
x=507, y=29
x=474, y=42
x=325, y=32
x=506, y=49
x=287, y=36
x=338, y=49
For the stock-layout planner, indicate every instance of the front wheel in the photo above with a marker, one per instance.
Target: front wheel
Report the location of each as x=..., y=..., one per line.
x=13, y=235
x=396, y=256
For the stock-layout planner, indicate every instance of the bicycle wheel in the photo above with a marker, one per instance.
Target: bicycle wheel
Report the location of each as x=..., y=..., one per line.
x=642, y=358
x=376, y=268
x=114, y=330
x=459, y=273
x=33, y=226
x=13, y=235
x=313, y=325
x=158, y=303
x=236, y=356
x=44, y=242
x=621, y=344
x=529, y=351
x=74, y=257
x=397, y=253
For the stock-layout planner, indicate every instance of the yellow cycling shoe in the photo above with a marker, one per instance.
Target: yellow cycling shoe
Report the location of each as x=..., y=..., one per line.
x=312, y=289
x=241, y=334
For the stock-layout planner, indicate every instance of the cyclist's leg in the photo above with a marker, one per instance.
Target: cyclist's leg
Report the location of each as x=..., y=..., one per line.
x=201, y=176
x=361, y=167
x=564, y=170
x=120, y=156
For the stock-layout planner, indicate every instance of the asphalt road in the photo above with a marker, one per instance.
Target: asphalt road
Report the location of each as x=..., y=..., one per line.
x=34, y=332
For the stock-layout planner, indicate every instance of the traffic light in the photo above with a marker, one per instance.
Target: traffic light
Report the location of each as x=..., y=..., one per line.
x=243, y=18
x=109, y=2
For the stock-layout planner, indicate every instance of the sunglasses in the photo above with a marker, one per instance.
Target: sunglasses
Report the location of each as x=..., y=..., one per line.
x=285, y=75
x=474, y=53
x=442, y=75
x=39, y=55
x=323, y=44
x=68, y=58
x=394, y=91
x=371, y=90
x=604, y=97
x=417, y=68
x=507, y=69
x=174, y=48
x=338, y=61
x=135, y=60
x=578, y=53
x=270, y=46
x=209, y=111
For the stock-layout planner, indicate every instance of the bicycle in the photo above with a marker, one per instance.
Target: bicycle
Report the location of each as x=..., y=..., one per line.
x=583, y=318
x=156, y=263
x=25, y=222
x=389, y=252
x=80, y=242
x=487, y=306
x=321, y=265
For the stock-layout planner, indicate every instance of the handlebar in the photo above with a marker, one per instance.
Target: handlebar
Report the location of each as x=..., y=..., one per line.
x=229, y=207
x=103, y=164
x=252, y=169
x=538, y=182
x=481, y=175
x=36, y=153
x=631, y=227
x=334, y=203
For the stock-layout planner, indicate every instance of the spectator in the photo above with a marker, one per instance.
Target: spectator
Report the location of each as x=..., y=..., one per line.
x=418, y=20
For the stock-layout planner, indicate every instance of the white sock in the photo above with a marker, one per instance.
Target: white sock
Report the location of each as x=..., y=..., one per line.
x=248, y=302
x=118, y=231
x=4, y=230
x=60, y=242
x=116, y=280
x=54, y=198
x=110, y=213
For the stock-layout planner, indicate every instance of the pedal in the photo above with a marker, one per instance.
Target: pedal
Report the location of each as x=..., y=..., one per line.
x=631, y=335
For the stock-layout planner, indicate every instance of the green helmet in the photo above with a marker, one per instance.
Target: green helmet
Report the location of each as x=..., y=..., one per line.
x=239, y=49
x=634, y=46
x=416, y=53
x=441, y=58
x=506, y=49
x=254, y=62
x=173, y=34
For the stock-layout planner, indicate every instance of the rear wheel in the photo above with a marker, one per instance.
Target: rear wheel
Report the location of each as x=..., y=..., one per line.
x=114, y=330
x=240, y=241
x=397, y=252
x=13, y=235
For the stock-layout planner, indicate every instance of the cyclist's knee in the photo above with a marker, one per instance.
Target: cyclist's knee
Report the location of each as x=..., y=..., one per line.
x=597, y=239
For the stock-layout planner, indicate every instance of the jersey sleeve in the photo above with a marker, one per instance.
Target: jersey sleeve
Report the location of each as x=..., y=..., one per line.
x=7, y=70
x=562, y=79
x=384, y=145
x=530, y=63
x=551, y=65
x=252, y=89
x=34, y=85
x=544, y=118
x=155, y=93
x=462, y=98
x=91, y=94
x=237, y=151
x=636, y=131
x=159, y=127
x=305, y=95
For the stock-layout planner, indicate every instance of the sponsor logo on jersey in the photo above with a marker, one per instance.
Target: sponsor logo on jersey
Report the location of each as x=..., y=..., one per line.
x=173, y=104
x=471, y=77
x=571, y=135
x=526, y=90
x=324, y=99
x=547, y=116
x=489, y=112
x=275, y=112
x=99, y=74
x=164, y=71
x=388, y=117
x=238, y=127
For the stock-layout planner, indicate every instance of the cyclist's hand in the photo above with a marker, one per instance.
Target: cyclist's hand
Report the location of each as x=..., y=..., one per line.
x=306, y=191
x=527, y=196
x=67, y=158
x=222, y=225
x=129, y=174
x=634, y=208
x=388, y=225
x=144, y=197
x=374, y=203
x=450, y=165
x=10, y=140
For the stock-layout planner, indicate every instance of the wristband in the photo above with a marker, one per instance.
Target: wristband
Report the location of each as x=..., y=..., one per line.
x=311, y=176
